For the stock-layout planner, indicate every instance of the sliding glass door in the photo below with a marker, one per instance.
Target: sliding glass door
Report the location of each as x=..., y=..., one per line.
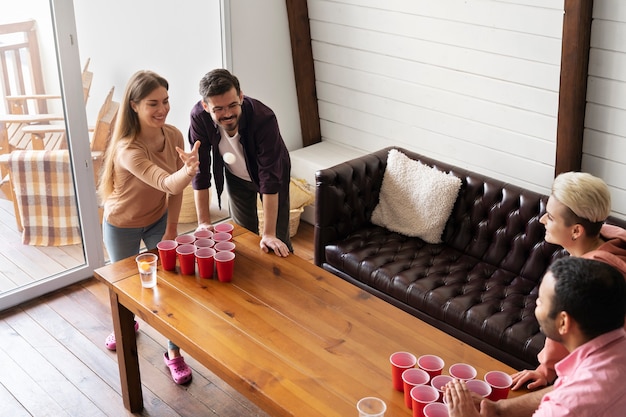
x=79, y=56
x=43, y=243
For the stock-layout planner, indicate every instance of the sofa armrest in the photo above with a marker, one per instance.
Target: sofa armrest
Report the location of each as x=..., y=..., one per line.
x=345, y=196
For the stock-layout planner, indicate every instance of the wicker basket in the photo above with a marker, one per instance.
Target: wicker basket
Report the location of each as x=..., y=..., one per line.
x=299, y=196
x=294, y=220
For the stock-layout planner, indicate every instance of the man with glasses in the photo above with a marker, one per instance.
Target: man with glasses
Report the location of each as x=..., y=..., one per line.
x=240, y=140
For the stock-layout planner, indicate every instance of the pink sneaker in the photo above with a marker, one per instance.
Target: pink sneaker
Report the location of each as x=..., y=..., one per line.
x=110, y=342
x=181, y=373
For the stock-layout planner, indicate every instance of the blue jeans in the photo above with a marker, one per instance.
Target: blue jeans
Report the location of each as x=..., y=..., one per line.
x=122, y=242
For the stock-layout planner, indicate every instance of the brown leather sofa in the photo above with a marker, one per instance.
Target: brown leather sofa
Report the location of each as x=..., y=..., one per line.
x=479, y=285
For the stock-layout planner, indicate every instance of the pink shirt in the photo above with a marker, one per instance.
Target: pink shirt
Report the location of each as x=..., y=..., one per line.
x=612, y=252
x=590, y=380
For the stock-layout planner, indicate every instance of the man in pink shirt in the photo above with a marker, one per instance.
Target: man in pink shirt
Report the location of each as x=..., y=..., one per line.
x=581, y=304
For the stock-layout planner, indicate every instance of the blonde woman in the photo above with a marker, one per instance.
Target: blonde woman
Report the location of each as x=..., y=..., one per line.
x=144, y=174
x=575, y=218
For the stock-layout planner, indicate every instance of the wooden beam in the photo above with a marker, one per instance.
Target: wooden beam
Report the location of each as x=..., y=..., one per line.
x=573, y=86
x=302, y=53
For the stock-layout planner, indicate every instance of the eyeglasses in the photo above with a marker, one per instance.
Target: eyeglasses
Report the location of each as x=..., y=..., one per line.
x=230, y=108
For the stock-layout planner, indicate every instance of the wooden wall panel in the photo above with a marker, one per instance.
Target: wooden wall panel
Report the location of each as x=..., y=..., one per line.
x=469, y=83
x=298, y=17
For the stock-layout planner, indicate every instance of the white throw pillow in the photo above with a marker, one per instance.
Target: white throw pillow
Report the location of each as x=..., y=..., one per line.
x=415, y=199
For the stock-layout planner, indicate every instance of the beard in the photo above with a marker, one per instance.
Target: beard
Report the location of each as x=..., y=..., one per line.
x=548, y=328
x=229, y=123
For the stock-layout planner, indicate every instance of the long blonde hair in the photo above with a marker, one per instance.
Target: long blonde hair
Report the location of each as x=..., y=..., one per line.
x=127, y=126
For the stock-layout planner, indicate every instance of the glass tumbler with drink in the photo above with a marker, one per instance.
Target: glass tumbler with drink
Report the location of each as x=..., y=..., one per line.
x=146, y=264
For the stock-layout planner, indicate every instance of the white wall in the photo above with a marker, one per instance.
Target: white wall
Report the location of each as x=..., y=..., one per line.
x=181, y=41
x=261, y=59
x=604, y=151
x=473, y=83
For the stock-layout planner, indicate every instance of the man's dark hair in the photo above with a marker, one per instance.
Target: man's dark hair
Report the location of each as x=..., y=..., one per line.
x=218, y=82
x=592, y=292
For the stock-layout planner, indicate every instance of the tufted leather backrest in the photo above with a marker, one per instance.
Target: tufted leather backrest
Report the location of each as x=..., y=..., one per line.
x=498, y=223
x=493, y=221
x=348, y=193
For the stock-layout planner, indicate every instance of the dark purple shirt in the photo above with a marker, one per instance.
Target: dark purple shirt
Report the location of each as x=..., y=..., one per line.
x=267, y=157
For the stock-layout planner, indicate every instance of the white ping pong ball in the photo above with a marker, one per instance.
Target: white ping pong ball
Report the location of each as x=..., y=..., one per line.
x=229, y=158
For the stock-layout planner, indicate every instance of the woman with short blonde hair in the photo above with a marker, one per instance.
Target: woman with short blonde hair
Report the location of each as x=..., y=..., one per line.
x=586, y=198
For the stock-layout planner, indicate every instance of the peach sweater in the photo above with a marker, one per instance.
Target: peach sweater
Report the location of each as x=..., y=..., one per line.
x=144, y=174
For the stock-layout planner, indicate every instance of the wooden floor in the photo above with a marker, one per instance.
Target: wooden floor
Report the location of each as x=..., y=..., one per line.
x=23, y=264
x=54, y=362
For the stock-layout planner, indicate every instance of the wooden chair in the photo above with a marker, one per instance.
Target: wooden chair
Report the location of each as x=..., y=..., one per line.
x=19, y=104
x=35, y=131
x=23, y=90
x=102, y=132
x=21, y=77
x=100, y=136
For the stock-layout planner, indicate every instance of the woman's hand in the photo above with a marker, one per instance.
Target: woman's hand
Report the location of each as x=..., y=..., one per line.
x=192, y=163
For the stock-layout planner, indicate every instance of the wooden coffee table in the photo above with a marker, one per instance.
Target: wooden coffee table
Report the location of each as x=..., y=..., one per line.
x=293, y=338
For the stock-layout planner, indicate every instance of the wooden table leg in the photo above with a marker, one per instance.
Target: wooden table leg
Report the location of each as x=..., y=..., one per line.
x=127, y=357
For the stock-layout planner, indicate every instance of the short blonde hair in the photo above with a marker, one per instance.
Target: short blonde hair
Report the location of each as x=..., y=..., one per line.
x=588, y=197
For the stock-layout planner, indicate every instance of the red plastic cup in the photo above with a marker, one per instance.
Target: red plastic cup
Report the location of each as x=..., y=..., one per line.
x=421, y=395
x=185, y=239
x=203, y=234
x=479, y=387
x=223, y=228
x=224, y=246
x=462, y=371
x=500, y=383
x=186, y=258
x=400, y=362
x=222, y=237
x=431, y=364
x=167, y=254
x=204, y=256
x=436, y=410
x=410, y=378
x=225, y=265
x=204, y=243
x=438, y=382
